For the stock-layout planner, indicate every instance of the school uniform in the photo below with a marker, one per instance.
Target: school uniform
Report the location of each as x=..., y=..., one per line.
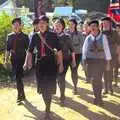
x=77, y=42
x=67, y=49
x=113, y=40
x=17, y=44
x=95, y=53
x=46, y=67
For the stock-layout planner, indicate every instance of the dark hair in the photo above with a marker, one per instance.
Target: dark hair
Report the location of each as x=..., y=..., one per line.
x=106, y=18
x=75, y=22
x=118, y=25
x=36, y=21
x=44, y=18
x=60, y=20
x=16, y=20
x=94, y=22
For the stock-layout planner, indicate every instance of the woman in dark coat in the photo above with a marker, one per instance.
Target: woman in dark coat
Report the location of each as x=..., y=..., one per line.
x=68, y=55
x=46, y=66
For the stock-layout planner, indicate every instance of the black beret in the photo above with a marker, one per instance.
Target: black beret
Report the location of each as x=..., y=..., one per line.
x=16, y=20
x=36, y=21
x=93, y=22
x=106, y=18
x=44, y=18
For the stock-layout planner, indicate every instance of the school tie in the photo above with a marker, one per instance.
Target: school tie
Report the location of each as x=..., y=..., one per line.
x=95, y=43
x=42, y=47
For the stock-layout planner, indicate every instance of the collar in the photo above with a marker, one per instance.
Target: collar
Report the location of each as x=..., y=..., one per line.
x=61, y=34
x=97, y=36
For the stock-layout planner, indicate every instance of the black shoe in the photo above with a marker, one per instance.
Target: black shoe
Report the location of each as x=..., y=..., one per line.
x=115, y=85
x=75, y=91
x=95, y=102
x=47, y=116
x=111, y=92
x=22, y=98
x=62, y=101
x=19, y=100
x=98, y=102
x=101, y=103
x=105, y=92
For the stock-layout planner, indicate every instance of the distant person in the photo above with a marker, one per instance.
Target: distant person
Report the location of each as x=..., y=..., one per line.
x=117, y=62
x=35, y=29
x=114, y=45
x=96, y=53
x=17, y=44
x=80, y=26
x=77, y=42
x=85, y=33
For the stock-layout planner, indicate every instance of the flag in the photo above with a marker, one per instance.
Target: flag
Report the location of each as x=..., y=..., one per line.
x=114, y=10
x=114, y=3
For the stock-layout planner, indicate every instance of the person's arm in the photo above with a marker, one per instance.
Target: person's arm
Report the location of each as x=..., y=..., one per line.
x=118, y=46
x=81, y=38
x=84, y=53
x=28, y=59
x=84, y=49
x=73, y=60
x=108, y=56
x=60, y=61
x=70, y=46
x=59, y=54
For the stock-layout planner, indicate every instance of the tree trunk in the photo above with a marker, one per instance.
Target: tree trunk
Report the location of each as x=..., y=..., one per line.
x=42, y=7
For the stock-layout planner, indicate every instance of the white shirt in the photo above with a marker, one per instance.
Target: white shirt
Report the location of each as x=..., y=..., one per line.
x=105, y=46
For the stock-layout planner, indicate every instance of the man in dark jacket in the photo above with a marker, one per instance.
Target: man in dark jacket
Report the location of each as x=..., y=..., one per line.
x=17, y=44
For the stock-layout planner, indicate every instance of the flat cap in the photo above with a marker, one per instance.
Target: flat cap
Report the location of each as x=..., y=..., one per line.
x=93, y=22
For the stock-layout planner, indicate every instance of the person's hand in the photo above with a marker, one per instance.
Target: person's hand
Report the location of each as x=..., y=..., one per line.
x=108, y=66
x=84, y=63
x=6, y=61
x=29, y=66
x=119, y=59
x=61, y=68
x=74, y=64
x=25, y=66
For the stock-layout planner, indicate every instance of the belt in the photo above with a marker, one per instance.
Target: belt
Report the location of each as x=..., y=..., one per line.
x=43, y=57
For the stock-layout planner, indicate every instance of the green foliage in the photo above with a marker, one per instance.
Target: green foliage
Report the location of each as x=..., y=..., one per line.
x=27, y=30
x=5, y=28
x=4, y=71
x=4, y=74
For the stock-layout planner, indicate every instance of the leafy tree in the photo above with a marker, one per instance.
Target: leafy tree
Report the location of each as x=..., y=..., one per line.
x=43, y=6
x=5, y=28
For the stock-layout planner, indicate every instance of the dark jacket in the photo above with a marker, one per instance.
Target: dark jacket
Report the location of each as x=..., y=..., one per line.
x=17, y=44
x=66, y=45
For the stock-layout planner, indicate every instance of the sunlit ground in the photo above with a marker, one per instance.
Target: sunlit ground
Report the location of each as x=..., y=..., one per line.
x=77, y=107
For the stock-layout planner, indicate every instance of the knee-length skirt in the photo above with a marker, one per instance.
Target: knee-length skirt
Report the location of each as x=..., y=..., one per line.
x=46, y=71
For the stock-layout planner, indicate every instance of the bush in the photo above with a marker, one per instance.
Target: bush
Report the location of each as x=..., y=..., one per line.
x=4, y=74
x=5, y=28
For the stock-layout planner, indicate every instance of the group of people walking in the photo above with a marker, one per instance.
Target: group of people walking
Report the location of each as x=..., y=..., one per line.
x=56, y=49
